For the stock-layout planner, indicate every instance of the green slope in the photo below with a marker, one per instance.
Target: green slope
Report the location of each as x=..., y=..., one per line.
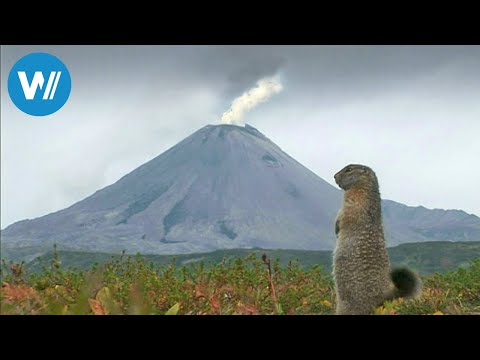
x=426, y=258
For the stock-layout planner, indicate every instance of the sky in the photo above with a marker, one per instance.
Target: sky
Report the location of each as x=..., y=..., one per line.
x=412, y=113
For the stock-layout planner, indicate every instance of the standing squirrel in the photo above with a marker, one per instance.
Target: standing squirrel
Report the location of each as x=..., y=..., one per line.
x=361, y=267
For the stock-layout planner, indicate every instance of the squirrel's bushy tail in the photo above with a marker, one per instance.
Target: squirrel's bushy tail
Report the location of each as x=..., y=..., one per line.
x=407, y=284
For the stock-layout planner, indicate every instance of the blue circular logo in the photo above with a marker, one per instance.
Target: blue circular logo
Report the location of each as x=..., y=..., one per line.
x=39, y=84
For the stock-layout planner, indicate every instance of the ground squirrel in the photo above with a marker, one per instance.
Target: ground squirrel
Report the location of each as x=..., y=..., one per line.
x=361, y=267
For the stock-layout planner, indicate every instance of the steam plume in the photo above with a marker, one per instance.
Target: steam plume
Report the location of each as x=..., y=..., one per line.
x=263, y=90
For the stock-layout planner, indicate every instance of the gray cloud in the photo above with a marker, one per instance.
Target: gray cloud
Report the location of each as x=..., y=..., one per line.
x=411, y=112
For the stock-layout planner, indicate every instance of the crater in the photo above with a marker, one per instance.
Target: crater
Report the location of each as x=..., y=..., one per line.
x=270, y=160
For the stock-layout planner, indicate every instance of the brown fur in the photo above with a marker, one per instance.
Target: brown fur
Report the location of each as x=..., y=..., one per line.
x=361, y=266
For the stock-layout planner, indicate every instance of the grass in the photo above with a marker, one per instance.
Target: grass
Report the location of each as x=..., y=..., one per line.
x=132, y=285
x=425, y=258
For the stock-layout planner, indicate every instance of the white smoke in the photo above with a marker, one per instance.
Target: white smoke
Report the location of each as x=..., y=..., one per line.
x=263, y=90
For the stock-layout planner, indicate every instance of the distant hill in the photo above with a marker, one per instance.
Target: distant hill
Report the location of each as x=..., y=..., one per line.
x=426, y=258
x=223, y=187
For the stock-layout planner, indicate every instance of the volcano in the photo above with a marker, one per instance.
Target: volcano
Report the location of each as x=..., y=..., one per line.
x=223, y=187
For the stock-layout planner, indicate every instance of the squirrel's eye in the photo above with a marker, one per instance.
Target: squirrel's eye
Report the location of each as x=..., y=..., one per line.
x=348, y=170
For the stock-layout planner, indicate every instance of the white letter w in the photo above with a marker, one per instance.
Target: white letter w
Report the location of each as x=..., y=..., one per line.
x=30, y=89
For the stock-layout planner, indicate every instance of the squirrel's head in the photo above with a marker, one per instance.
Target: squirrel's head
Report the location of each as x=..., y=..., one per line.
x=353, y=175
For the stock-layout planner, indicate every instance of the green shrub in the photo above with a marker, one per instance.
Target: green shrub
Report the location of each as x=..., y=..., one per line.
x=130, y=285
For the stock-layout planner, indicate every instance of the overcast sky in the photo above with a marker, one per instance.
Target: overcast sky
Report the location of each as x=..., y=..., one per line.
x=412, y=113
